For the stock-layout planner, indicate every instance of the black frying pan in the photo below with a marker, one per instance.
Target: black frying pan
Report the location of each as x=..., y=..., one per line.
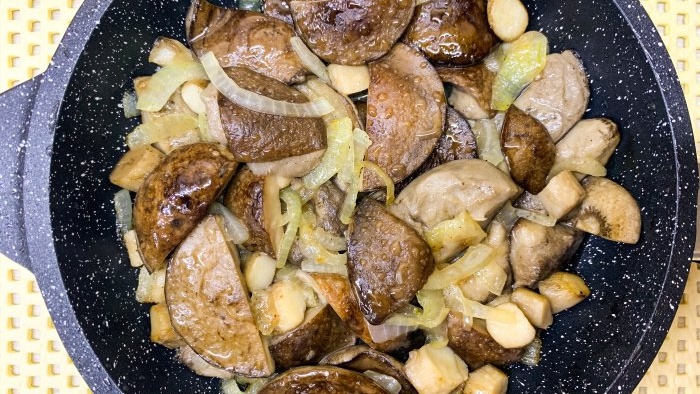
x=63, y=131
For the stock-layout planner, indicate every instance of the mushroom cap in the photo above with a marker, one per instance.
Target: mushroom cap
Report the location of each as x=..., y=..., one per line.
x=321, y=380
x=244, y=38
x=176, y=196
x=558, y=97
x=388, y=261
x=257, y=137
x=244, y=198
x=208, y=303
x=455, y=32
x=364, y=29
x=405, y=113
x=528, y=149
x=444, y=192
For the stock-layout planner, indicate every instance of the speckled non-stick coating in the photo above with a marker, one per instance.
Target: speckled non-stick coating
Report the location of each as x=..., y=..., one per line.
x=603, y=345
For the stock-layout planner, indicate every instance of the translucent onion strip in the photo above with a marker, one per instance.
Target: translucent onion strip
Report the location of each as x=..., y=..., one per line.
x=161, y=129
x=583, y=165
x=545, y=220
x=257, y=102
x=432, y=314
x=293, y=202
x=386, y=332
x=379, y=171
x=123, y=211
x=340, y=140
x=312, y=266
x=351, y=174
x=165, y=82
x=456, y=301
x=389, y=384
x=309, y=59
x=129, y=105
x=488, y=141
x=235, y=229
x=476, y=258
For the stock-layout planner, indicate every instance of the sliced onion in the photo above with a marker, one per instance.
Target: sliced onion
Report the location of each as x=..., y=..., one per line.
x=437, y=336
x=583, y=165
x=379, y=171
x=210, y=97
x=492, y=277
x=476, y=258
x=203, y=126
x=388, y=383
x=123, y=211
x=309, y=281
x=339, y=137
x=432, y=314
x=452, y=236
x=456, y=301
x=351, y=174
x=264, y=311
x=545, y=220
x=161, y=129
x=273, y=220
x=293, y=202
x=488, y=141
x=165, y=82
x=129, y=105
x=329, y=241
x=312, y=266
x=312, y=249
x=532, y=353
x=386, y=332
x=309, y=59
x=257, y=102
x=235, y=229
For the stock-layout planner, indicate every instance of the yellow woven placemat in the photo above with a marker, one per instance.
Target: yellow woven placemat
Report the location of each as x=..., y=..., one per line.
x=32, y=358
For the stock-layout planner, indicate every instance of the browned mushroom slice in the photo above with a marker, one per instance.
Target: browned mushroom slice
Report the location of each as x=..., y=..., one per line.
x=452, y=31
x=321, y=333
x=351, y=32
x=405, y=113
x=528, y=149
x=209, y=306
x=361, y=358
x=536, y=251
x=457, y=143
x=474, y=344
x=176, y=196
x=388, y=261
x=472, y=91
x=321, y=380
x=279, y=9
x=559, y=96
x=257, y=137
x=244, y=198
x=244, y=38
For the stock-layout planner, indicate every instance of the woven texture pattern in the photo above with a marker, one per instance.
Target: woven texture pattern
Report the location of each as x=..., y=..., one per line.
x=32, y=358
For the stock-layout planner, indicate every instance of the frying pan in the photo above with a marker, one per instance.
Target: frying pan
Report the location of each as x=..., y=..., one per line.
x=63, y=131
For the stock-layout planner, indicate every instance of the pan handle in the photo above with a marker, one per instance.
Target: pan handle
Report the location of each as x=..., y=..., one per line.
x=15, y=110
